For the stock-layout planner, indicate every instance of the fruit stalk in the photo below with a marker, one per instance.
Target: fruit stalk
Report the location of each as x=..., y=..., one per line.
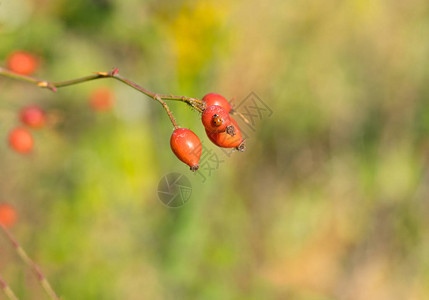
x=30, y=263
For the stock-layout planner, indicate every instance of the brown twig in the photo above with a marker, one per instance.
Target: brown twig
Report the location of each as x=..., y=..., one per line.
x=195, y=103
x=7, y=290
x=30, y=263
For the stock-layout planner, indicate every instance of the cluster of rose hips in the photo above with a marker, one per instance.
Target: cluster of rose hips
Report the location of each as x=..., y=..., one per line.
x=220, y=128
x=34, y=117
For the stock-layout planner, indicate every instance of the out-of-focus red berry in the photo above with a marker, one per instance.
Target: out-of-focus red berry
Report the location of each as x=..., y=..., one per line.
x=8, y=215
x=187, y=147
x=225, y=140
x=215, y=118
x=216, y=99
x=33, y=116
x=101, y=99
x=22, y=62
x=21, y=140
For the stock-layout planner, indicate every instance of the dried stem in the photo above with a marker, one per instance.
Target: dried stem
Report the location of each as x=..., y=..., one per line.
x=7, y=290
x=235, y=112
x=195, y=103
x=30, y=263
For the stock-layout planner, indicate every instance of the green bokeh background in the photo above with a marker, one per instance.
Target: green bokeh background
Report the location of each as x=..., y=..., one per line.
x=329, y=201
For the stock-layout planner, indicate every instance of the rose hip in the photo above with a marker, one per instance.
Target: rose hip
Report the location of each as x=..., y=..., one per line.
x=225, y=140
x=187, y=147
x=215, y=119
x=216, y=99
x=7, y=215
x=21, y=140
x=33, y=116
x=101, y=99
x=22, y=62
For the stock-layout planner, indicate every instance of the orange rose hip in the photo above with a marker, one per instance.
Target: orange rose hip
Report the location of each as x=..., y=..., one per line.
x=21, y=140
x=8, y=215
x=22, y=62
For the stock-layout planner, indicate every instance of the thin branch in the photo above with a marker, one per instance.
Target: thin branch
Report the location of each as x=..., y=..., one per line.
x=38, y=82
x=195, y=103
x=236, y=112
x=7, y=290
x=154, y=96
x=30, y=263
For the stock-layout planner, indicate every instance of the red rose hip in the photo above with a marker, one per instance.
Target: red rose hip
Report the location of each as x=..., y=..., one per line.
x=22, y=62
x=33, y=116
x=187, y=147
x=225, y=140
x=21, y=140
x=215, y=119
x=216, y=99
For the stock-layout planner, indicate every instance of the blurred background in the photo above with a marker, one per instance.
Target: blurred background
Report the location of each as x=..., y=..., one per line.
x=329, y=201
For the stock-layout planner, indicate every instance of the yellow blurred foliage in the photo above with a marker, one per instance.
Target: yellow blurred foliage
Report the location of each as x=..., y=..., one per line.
x=193, y=33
